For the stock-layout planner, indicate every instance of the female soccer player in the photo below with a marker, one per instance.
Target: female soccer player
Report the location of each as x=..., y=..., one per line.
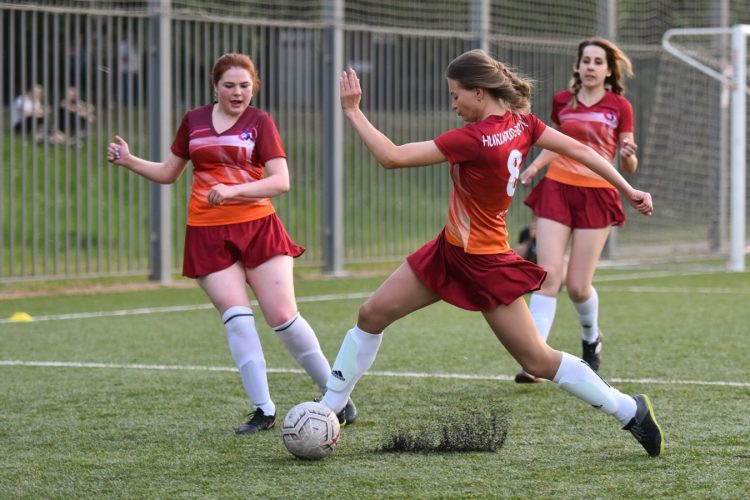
x=234, y=237
x=470, y=263
x=574, y=204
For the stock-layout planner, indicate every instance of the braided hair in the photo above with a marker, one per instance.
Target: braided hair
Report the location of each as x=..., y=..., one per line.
x=476, y=69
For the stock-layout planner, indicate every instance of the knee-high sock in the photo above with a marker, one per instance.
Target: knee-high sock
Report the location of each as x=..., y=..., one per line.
x=356, y=355
x=543, y=310
x=247, y=352
x=576, y=377
x=300, y=340
x=588, y=316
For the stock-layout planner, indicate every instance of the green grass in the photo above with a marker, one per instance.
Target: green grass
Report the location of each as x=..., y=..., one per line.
x=125, y=431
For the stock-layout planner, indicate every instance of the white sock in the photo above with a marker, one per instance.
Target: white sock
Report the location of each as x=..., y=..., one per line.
x=543, y=310
x=300, y=340
x=576, y=377
x=247, y=352
x=588, y=316
x=356, y=355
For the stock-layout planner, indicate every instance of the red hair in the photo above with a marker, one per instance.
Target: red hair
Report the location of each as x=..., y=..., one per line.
x=235, y=60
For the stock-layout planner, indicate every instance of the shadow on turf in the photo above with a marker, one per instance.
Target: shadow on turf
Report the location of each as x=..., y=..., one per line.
x=457, y=432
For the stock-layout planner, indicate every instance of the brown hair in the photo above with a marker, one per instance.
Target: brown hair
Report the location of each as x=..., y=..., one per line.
x=617, y=62
x=235, y=60
x=477, y=69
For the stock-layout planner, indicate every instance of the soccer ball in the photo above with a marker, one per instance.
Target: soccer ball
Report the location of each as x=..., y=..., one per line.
x=310, y=431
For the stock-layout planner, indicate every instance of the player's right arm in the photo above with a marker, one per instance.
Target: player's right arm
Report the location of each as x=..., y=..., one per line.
x=165, y=172
x=414, y=154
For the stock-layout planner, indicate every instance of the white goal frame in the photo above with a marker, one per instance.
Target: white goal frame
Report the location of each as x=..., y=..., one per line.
x=737, y=85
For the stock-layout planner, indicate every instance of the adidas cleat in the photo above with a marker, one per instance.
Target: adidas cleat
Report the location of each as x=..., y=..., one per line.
x=348, y=415
x=592, y=352
x=259, y=421
x=645, y=428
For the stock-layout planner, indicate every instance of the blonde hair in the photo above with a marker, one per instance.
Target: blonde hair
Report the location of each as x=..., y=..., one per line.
x=477, y=69
x=617, y=62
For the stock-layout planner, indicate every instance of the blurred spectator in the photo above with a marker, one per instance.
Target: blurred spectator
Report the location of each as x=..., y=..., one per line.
x=75, y=116
x=28, y=111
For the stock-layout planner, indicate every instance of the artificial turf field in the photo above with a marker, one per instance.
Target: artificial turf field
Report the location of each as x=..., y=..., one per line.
x=133, y=394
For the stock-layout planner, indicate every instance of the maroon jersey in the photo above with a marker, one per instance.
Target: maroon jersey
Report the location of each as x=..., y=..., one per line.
x=598, y=126
x=485, y=159
x=235, y=156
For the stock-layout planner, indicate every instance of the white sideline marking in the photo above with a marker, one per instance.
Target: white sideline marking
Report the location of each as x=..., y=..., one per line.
x=363, y=295
x=454, y=376
x=674, y=289
x=183, y=308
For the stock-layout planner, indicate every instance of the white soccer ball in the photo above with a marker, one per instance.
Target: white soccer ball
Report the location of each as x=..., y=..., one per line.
x=310, y=431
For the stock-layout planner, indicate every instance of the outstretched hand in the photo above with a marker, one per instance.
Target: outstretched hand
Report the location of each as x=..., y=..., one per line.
x=641, y=201
x=351, y=92
x=118, y=151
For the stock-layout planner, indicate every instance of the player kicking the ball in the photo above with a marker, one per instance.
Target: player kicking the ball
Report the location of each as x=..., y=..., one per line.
x=470, y=263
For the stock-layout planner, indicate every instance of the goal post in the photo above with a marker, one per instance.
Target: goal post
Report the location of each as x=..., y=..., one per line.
x=736, y=82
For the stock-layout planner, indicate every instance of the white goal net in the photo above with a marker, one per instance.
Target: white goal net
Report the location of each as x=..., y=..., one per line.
x=700, y=198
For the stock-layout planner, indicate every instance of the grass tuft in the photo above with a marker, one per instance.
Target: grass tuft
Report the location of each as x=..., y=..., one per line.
x=458, y=433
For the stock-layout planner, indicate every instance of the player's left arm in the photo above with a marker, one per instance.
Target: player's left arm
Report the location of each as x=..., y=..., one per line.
x=628, y=148
x=275, y=182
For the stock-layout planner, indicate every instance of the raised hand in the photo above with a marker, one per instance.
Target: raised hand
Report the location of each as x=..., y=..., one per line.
x=351, y=92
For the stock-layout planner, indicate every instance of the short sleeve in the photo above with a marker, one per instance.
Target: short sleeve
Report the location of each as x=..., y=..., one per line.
x=458, y=145
x=181, y=144
x=626, y=121
x=559, y=101
x=269, y=145
x=536, y=126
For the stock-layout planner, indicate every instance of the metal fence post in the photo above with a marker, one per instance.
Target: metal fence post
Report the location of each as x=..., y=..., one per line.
x=479, y=15
x=606, y=27
x=159, y=84
x=333, y=55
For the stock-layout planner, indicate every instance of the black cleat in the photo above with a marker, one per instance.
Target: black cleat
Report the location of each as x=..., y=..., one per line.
x=349, y=413
x=346, y=416
x=645, y=428
x=259, y=421
x=592, y=352
x=524, y=377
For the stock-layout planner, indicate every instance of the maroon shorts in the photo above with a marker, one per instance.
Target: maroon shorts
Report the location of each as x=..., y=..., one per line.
x=212, y=248
x=576, y=207
x=474, y=282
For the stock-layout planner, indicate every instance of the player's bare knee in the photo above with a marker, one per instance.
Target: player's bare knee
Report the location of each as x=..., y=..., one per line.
x=372, y=319
x=279, y=315
x=551, y=283
x=539, y=364
x=577, y=292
